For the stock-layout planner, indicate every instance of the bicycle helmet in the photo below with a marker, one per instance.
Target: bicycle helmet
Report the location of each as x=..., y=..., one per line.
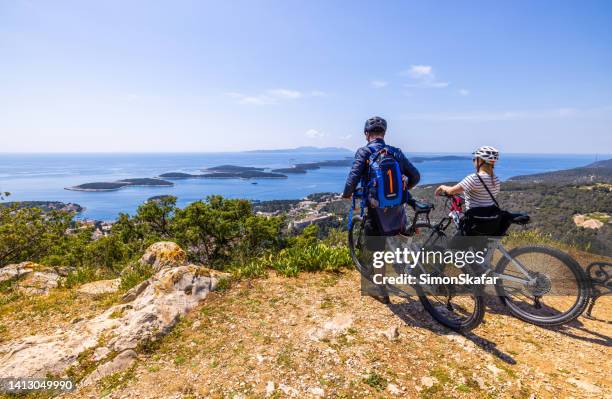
x=375, y=124
x=487, y=154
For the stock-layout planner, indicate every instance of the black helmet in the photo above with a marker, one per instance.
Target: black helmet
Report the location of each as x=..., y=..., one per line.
x=375, y=124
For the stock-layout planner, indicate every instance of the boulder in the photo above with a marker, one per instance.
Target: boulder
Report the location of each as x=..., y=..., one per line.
x=153, y=311
x=164, y=254
x=16, y=271
x=39, y=283
x=33, y=278
x=100, y=287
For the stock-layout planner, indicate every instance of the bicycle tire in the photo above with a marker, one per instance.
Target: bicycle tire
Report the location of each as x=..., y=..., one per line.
x=464, y=325
x=584, y=288
x=357, y=222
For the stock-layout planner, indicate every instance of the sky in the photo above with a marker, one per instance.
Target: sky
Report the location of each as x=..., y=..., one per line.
x=201, y=76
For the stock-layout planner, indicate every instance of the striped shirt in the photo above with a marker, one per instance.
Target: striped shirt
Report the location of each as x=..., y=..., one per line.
x=475, y=193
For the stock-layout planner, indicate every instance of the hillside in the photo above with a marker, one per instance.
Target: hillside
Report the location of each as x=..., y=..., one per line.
x=316, y=337
x=45, y=206
x=552, y=209
x=600, y=171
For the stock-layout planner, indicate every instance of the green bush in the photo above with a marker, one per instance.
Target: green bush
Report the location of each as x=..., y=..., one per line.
x=319, y=257
x=80, y=276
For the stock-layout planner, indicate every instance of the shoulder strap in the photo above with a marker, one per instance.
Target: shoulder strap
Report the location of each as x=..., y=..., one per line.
x=487, y=188
x=376, y=153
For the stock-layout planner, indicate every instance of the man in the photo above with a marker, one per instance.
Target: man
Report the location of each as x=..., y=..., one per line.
x=387, y=221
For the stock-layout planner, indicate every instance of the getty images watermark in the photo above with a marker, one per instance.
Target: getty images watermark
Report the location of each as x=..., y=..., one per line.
x=406, y=260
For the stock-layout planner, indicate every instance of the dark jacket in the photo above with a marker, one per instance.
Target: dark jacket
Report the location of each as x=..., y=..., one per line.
x=360, y=167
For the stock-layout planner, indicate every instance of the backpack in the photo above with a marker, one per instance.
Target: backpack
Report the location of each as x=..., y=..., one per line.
x=386, y=186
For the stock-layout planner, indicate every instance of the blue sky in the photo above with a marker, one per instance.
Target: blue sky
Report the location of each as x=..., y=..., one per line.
x=524, y=76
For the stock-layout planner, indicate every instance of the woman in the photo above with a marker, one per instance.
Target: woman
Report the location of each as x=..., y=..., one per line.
x=474, y=186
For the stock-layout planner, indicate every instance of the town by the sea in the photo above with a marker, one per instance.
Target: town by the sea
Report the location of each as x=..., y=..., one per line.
x=45, y=177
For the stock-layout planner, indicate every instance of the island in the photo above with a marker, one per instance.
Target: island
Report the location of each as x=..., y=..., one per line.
x=238, y=174
x=119, y=184
x=304, y=167
x=233, y=168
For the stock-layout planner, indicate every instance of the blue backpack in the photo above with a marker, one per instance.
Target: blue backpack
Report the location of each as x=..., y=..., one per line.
x=385, y=187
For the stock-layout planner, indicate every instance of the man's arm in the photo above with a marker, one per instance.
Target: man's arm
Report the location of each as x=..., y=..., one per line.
x=409, y=170
x=358, y=169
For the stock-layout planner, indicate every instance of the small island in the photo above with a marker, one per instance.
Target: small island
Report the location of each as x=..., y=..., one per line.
x=244, y=174
x=233, y=168
x=119, y=184
x=304, y=167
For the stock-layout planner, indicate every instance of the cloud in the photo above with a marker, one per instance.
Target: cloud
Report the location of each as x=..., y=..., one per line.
x=273, y=96
x=314, y=134
x=423, y=76
x=378, y=84
x=284, y=93
x=464, y=92
x=553, y=113
x=420, y=71
x=261, y=99
x=346, y=137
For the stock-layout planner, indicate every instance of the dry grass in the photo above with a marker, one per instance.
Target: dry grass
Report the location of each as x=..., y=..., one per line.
x=259, y=331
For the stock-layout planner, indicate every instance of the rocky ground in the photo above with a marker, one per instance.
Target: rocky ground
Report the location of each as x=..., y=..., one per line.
x=315, y=336
x=310, y=336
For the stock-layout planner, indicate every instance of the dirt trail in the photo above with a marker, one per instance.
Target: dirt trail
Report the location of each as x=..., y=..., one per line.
x=315, y=336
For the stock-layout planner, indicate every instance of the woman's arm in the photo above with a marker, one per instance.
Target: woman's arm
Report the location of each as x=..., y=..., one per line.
x=456, y=189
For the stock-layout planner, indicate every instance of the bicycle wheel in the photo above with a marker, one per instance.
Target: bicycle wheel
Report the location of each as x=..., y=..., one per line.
x=357, y=246
x=560, y=291
x=460, y=308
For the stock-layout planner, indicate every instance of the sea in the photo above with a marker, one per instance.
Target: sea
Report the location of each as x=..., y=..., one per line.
x=44, y=177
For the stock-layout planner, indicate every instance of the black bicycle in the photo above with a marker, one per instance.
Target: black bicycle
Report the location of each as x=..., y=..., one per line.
x=458, y=308
x=538, y=284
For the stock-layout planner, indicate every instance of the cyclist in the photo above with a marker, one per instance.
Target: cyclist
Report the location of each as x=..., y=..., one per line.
x=379, y=221
x=474, y=186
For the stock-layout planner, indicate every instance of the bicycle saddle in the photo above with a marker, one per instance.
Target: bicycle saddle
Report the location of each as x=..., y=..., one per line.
x=420, y=206
x=520, y=218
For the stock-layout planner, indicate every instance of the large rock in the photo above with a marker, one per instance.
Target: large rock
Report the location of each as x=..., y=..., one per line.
x=16, y=271
x=100, y=287
x=33, y=278
x=164, y=254
x=168, y=295
x=39, y=283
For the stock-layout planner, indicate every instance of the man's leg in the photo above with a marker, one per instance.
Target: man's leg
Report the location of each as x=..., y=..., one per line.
x=376, y=242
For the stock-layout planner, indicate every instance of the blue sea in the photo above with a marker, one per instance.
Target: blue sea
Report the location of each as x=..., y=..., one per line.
x=44, y=176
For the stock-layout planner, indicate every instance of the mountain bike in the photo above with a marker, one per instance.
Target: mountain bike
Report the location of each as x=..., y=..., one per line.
x=459, y=311
x=538, y=284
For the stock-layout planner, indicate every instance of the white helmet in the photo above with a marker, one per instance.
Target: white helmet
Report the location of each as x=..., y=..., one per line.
x=487, y=154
